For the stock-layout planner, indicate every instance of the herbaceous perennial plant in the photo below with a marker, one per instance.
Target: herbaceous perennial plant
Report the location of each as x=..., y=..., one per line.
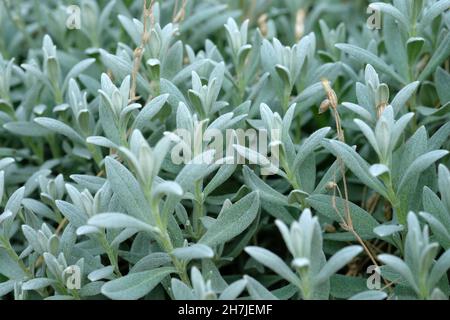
x=311, y=153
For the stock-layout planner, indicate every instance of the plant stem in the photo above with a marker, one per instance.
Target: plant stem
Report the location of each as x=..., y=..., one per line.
x=164, y=240
x=198, y=211
x=111, y=256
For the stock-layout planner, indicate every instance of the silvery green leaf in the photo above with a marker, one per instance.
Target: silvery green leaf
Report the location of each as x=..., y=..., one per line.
x=365, y=56
x=54, y=266
x=185, y=73
x=222, y=175
x=253, y=156
x=125, y=112
x=32, y=69
x=392, y=11
x=439, y=269
x=232, y=221
x=173, y=60
x=121, y=68
x=6, y=287
x=181, y=291
x=234, y=290
x=266, y=192
x=337, y=261
x=370, y=295
x=309, y=146
x=25, y=128
x=301, y=262
x=444, y=184
x=195, y=251
x=297, y=196
x=378, y=169
x=102, y=273
x=76, y=70
x=175, y=95
x=6, y=162
x=417, y=167
x=184, y=118
x=414, y=47
x=38, y=208
x=257, y=290
x=217, y=73
x=436, y=9
x=59, y=297
x=363, y=222
x=195, y=170
x=399, y=266
x=433, y=112
x=343, y=287
x=5, y=215
x=130, y=28
x=75, y=215
x=61, y=128
x=127, y=189
x=437, y=294
x=101, y=142
x=358, y=110
x=9, y=268
x=284, y=74
x=309, y=96
x=222, y=122
x=118, y=221
x=288, y=118
x=403, y=96
x=273, y=262
x=207, y=222
x=33, y=239
x=167, y=188
x=371, y=77
x=355, y=163
x=395, y=46
x=149, y=111
x=387, y=230
x=124, y=235
x=438, y=57
x=439, y=230
x=439, y=138
x=2, y=184
x=33, y=181
x=135, y=285
x=399, y=128
x=15, y=200
x=202, y=15
x=442, y=81
x=93, y=288
x=369, y=134
x=152, y=261
x=92, y=183
x=38, y=283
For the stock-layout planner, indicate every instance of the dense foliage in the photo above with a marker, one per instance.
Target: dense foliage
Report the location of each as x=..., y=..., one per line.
x=352, y=201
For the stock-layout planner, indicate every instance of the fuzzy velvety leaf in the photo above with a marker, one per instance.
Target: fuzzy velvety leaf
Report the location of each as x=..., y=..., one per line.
x=232, y=221
x=135, y=285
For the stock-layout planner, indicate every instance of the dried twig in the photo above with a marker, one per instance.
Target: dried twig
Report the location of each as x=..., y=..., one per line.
x=178, y=15
x=347, y=223
x=147, y=13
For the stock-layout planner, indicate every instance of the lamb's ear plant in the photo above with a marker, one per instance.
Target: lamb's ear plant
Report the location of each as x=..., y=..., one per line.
x=224, y=150
x=409, y=33
x=396, y=183
x=437, y=210
x=310, y=272
x=420, y=270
